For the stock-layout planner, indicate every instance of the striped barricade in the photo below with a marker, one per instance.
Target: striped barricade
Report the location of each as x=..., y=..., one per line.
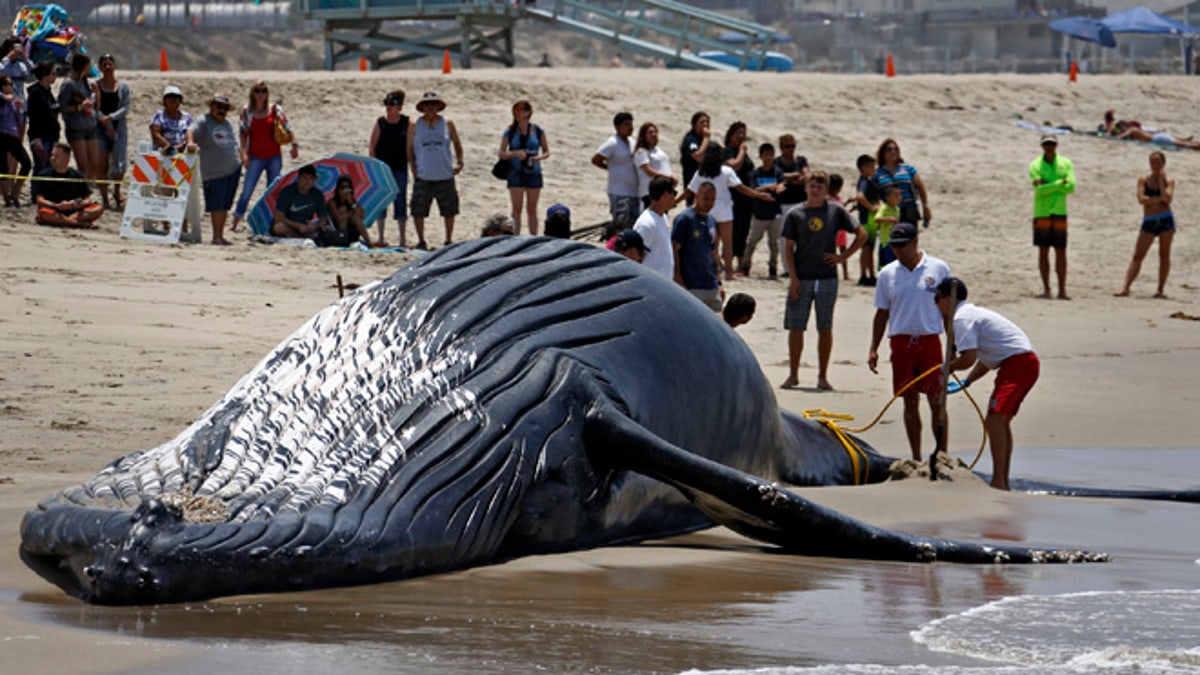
x=161, y=197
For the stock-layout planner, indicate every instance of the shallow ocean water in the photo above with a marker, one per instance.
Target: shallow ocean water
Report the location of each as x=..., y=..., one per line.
x=749, y=610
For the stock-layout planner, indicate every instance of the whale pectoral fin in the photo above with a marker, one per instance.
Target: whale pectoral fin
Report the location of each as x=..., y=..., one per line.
x=765, y=511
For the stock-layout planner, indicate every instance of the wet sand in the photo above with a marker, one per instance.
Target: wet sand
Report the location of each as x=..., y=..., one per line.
x=112, y=346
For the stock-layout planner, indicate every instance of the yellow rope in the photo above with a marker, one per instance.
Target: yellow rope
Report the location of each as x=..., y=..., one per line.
x=982, y=423
x=897, y=395
x=187, y=178
x=859, y=461
x=13, y=176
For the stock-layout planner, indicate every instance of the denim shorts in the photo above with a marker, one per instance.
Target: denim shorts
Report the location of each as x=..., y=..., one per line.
x=822, y=293
x=400, y=205
x=530, y=180
x=106, y=144
x=624, y=210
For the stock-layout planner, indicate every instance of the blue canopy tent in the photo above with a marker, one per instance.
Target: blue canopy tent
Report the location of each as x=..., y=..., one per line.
x=1136, y=20
x=1086, y=29
x=1142, y=20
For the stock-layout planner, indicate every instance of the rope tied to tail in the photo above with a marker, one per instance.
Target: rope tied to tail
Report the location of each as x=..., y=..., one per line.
x=859, y=462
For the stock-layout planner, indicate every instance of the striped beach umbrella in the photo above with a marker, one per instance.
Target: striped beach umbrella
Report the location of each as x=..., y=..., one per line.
x=374, y=188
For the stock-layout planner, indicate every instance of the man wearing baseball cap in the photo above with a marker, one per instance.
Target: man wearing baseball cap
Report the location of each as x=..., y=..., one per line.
x=1053, y=179
x=904, y=308
x=630, y=244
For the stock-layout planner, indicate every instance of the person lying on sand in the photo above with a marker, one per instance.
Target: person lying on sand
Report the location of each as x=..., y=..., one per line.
x=1158, y=138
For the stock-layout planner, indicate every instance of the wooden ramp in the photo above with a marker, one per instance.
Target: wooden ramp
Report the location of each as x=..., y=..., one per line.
x=483, y=29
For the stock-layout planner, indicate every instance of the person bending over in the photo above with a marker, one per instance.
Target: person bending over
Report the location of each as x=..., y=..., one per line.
x=988, y=341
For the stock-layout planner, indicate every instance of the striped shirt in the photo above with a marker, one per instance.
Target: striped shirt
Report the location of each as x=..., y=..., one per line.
x=903, y=178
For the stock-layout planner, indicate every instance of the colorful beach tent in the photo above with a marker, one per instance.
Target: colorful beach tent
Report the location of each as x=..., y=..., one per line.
x=374, y=188
x=49, y=34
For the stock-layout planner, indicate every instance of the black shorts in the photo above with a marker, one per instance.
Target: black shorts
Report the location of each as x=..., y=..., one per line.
x=1050, y=231
x=74, y=135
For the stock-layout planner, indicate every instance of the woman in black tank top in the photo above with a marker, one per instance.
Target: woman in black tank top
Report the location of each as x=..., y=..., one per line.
x=389, y=143
x=111, y=136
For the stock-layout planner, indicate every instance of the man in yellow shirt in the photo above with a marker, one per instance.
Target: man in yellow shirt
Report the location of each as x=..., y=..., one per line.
x=1053, y=179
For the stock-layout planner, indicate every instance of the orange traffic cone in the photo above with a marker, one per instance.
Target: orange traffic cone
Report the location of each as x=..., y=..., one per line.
x=891, y=66
x=362, y=63
x=162, y=60
x=1074, y=73
x=446, y=62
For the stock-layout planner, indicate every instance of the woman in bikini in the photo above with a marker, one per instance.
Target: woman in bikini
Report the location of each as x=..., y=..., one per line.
x=1154, y=192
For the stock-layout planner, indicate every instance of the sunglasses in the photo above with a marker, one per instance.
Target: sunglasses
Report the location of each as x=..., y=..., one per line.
x=221, y=108
x=259, y=90
x=890, y=148
x=789, y=146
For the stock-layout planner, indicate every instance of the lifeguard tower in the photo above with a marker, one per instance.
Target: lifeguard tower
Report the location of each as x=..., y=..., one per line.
x=483, y=29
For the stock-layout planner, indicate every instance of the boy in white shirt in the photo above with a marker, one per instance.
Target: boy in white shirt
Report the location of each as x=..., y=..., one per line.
x=985, y=341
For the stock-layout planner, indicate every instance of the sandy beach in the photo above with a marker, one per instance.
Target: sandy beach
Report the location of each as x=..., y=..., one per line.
x=111, y=346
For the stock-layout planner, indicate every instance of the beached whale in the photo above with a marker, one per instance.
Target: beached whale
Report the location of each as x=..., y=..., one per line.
x=498, y=398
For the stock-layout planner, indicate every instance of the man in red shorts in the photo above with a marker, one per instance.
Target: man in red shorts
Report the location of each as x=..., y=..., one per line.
x=988, y=341
x=904, y=307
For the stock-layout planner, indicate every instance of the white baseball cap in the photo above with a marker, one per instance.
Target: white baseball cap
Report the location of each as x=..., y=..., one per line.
x=172, y=90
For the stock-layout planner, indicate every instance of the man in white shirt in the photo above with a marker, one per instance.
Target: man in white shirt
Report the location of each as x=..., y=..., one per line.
x=985, y=341
x=616, y=157
x=904, y=307
x=655, y=230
